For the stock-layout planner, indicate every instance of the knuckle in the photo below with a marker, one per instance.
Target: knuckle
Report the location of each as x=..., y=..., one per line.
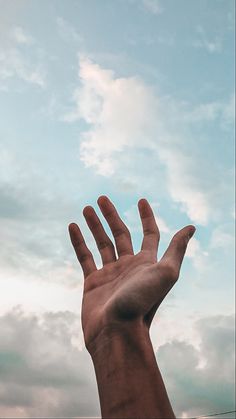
x=150, y=231
x=118, y=232
x=121, y=230
x=78, y=243
x=109, y=214
x=84, y=257
x=103, y=244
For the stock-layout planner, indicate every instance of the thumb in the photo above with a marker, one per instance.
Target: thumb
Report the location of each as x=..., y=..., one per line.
x=175, y=252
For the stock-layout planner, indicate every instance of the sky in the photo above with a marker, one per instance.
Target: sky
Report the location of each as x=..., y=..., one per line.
x=130, y=99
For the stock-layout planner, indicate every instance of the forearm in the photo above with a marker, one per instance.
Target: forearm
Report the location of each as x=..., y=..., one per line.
x=128, y=378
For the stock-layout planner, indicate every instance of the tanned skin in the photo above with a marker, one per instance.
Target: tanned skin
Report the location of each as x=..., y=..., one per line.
x=119, y=303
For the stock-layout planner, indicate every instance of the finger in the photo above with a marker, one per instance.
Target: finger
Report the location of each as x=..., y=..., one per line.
x=175, y=252
x=151, y=234
x=83, y=254
x=119, y=230
x=104, y=244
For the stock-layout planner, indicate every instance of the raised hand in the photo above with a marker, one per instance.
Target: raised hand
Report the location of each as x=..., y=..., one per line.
x=129, y=287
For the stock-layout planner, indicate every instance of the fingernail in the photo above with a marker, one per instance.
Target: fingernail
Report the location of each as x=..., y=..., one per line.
x=191, y=232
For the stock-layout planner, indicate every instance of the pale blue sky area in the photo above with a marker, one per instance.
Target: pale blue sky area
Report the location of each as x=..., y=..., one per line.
x=129, y=98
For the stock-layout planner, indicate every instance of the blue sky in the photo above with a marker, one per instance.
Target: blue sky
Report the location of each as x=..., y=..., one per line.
x=129, y=98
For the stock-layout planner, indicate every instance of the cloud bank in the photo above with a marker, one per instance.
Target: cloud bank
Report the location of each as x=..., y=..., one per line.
x=46, y=371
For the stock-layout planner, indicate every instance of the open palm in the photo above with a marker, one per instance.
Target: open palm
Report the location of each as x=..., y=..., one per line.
x=128, y=287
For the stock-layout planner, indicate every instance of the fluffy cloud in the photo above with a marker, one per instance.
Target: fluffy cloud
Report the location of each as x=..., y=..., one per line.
x=45, y=370
x=118, y=110
x=124, y=118
x=208, y=387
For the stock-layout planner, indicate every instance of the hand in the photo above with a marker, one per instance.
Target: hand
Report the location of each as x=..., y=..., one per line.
x=128, y=288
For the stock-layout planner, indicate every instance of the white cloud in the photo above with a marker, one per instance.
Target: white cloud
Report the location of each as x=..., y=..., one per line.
x=21, y=37
x=203, y=42
x=118, y=109
x=153, y=6
x=67, y=30
x=124, y=118
x=14, y=64
x=163, y=227
x=193, y=248
x=56, y=377
x=39, y=295
x=194, y=201
x=211, y=112
x=18, y=60
x=44, y=369
x=34, y=230
x=222, y=238
x=211, y=46
x=229, y=110
x=198, y=256
x=197, y=391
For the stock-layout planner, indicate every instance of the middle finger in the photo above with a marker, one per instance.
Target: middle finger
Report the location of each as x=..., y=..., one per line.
x=119, y=230
x=104, y=244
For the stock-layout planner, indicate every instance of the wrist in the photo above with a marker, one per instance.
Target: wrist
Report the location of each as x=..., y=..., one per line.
x=132, y=335
x=128, y=378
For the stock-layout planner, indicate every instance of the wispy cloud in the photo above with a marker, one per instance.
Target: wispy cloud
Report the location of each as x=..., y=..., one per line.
x=213, y=45
x=153, y=6
x=20, y=36
x=220, y=111
x=15, y=62
x=199, y=257
x=223, y=238
x=67, y=30
x=30, y=253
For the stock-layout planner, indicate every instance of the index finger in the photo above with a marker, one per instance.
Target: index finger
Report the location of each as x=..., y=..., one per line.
x=83, y=254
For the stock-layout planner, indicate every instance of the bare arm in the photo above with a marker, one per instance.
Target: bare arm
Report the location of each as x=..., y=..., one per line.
x=119, y=303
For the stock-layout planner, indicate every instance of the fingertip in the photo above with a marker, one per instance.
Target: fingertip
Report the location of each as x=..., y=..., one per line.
x=142, y=201
x=105, y=204
x=144, y=207
x=88, y=210
x=71, y=226
x=102, y=199
x=191, y=231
